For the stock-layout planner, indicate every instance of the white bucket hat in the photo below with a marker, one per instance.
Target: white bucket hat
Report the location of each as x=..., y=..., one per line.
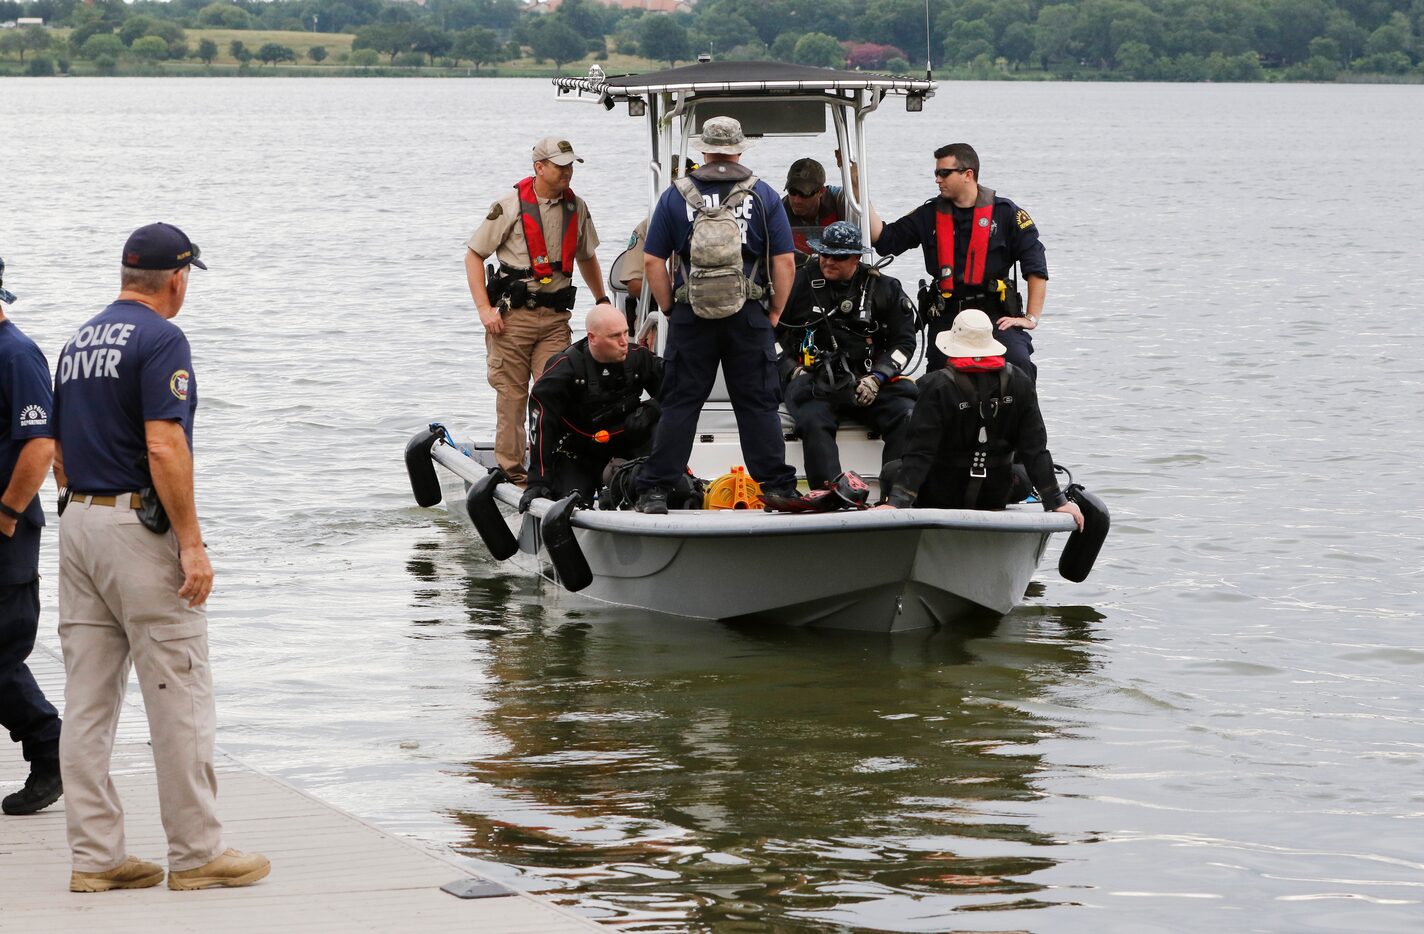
x=971, y=335
x=722, y=135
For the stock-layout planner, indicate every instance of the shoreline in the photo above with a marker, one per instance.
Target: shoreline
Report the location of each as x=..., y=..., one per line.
x=399, y=71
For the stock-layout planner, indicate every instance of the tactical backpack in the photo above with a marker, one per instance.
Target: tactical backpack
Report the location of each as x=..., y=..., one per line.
x=715, y=286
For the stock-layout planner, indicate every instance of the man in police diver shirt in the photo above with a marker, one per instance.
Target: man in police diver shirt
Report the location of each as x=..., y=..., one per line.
x=130, y=590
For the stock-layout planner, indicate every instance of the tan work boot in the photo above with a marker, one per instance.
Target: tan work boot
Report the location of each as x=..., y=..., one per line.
x=231, y=869
x=132, y=873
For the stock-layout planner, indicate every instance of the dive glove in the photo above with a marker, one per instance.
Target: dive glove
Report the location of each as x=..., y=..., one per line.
x=532, y=493
x=866, y=389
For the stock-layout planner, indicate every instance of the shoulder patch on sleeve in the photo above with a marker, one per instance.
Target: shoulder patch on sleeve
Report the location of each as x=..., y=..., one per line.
x=1023, y=220
x=633, y=240
x=496, y=210
x=33, y=415
x=178, y=385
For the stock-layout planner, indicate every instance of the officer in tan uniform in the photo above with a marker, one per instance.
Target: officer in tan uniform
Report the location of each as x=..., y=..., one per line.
x=537, y=233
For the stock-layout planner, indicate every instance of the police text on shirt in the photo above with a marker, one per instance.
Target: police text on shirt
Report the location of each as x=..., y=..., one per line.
x=95, y=352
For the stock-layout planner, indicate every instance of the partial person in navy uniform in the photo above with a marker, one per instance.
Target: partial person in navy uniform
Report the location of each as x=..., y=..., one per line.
x=134, y=577
x=588, y=408
x=26, y=452
x=846, y=337
x=741, y=342
x=971, y=238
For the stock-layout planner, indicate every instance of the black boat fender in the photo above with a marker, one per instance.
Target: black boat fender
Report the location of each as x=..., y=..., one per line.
x=557, y=532
x=418, y=464
x=484, y=513
x=1082, y=549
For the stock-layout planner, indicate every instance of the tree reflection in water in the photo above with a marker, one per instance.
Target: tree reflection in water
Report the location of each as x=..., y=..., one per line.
x=674, y=775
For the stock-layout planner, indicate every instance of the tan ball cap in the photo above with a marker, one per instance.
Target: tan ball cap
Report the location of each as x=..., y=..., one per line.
x=555, y=150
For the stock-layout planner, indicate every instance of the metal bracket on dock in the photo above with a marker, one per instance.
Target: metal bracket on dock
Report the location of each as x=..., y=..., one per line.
x=477, y=888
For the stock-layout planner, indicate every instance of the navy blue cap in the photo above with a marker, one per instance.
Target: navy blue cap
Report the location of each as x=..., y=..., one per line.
x=6, y=296
x=839, y=239
x=161, y=246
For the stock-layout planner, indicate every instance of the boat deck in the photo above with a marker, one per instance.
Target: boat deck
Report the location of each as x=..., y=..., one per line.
x=330, y=871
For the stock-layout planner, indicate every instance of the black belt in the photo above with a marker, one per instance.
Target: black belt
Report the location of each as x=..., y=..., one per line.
x=524, y=272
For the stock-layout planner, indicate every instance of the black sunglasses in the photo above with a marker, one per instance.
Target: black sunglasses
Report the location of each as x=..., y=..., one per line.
x=946, y=173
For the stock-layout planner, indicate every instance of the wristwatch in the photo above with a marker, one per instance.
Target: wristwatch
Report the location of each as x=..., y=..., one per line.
x=1033, y=318
x=605, y=300
x=12, y=513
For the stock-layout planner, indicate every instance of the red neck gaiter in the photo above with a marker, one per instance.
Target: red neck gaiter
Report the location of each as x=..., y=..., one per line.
x=976, y=364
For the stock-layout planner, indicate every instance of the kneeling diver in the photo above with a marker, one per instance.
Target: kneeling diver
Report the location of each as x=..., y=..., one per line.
x=586, y=409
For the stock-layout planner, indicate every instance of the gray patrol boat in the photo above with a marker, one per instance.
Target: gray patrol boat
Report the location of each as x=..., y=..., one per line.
x=873, y=570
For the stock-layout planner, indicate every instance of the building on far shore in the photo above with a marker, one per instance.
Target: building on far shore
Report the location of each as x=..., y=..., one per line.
x=22, y=22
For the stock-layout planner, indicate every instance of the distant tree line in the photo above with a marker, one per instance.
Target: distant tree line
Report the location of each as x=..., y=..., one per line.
x=1175, y=40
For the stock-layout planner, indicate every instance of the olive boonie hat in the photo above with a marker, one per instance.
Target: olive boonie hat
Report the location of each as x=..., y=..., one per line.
x=721, y=135
x=555, y=150
x=839, y=239
x=805, y=177
x=6, y=295
x=161, y=246
x=971, y=335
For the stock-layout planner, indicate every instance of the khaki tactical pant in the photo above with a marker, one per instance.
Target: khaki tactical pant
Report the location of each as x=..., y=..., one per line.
x=516, y=358
x=119, y=605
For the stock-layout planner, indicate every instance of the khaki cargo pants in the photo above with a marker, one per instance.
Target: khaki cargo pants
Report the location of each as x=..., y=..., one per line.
x=119, y=605
x=516, y=358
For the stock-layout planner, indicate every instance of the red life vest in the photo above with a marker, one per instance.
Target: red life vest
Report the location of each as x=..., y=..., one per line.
x=974, y=257
x=800, y=232
x=534, y=232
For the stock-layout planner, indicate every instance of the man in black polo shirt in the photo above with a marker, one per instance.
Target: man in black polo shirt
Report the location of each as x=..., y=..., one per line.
x=971, y=238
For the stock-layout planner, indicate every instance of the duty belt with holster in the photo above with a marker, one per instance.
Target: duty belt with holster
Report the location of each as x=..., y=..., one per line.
x=998, y=298
x=145, y=502
x=508, y=287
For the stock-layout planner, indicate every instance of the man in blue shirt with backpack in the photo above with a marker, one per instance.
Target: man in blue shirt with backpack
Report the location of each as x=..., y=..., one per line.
x=735, y=264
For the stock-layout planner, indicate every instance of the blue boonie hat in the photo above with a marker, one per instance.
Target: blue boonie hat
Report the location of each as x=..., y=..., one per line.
x=161, y=246
x=839, y=239
x=6, y=296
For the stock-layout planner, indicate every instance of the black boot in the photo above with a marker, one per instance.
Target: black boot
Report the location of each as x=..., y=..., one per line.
x=42, y=789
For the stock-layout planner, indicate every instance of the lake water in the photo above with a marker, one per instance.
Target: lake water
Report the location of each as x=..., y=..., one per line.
x=1222, y=729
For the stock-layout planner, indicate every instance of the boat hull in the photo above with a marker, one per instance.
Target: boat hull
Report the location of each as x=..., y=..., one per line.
x=882, y=572
x=881, y=581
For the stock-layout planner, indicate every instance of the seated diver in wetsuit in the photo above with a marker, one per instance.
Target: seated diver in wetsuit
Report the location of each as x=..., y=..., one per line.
x=970, y=419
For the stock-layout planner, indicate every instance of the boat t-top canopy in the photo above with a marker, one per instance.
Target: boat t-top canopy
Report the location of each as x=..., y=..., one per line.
x=767, y=98
x=736, y=78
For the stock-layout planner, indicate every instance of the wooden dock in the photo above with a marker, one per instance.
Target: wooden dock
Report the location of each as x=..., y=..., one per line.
x=330, y=871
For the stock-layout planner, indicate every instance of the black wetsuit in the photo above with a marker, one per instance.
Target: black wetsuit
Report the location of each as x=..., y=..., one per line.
x=575, y=401
x=944, y=438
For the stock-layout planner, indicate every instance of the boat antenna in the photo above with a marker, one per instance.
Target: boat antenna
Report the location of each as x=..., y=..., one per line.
x=929, y=75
